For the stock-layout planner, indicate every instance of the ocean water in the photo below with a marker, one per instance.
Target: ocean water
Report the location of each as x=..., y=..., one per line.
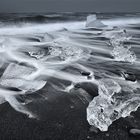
x=60, y=52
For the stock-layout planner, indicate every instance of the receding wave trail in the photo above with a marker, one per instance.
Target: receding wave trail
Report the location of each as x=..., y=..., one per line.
x=122, y=21
x=107, y=58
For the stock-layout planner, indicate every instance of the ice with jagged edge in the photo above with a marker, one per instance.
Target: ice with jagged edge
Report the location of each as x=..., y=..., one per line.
x=92, y=21
x=121, y=52
x=124, y=54
x=115, y=100
x=58, y=50
x=65, y=52
x=15, y=77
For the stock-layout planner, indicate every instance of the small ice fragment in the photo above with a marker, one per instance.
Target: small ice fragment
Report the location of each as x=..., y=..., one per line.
x=72, y=107
x=134, y=131
x=36, y=55
x=94, y=129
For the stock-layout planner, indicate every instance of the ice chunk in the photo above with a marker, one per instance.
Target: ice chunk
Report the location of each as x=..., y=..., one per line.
x=66, y=52
x=115, y=100
x=107, y=87
x=92, y=21
x=91, y=18
x=121, y=52
x=134, y=131
x=38, y=54
x=16, y=76
x=98, y=113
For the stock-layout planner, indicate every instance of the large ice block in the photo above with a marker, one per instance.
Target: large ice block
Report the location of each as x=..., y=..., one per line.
x=115, y=100
x=92, y=21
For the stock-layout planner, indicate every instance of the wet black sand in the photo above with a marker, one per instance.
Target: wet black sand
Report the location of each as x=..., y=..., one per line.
x=62, y=117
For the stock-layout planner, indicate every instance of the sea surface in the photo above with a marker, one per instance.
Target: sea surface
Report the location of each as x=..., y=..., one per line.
x=44, y=57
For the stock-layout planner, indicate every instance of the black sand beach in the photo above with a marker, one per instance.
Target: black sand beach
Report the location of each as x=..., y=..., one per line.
x=62, y=78
x=64, y=118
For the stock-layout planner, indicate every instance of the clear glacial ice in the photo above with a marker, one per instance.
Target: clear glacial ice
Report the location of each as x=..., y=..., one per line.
x=114, y=101
x=92, y=21
x=120, y=51
x=102, y=52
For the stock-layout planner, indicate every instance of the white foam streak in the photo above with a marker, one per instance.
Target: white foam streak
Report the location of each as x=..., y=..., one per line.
x=121, y=21
x=42, y=28
x=18, y=106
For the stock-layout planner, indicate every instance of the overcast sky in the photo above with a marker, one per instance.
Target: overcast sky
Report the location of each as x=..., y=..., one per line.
x=69, y=6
